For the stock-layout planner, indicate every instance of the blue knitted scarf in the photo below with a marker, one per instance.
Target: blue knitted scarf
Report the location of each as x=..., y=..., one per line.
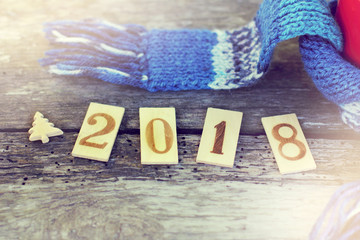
x=171, y=60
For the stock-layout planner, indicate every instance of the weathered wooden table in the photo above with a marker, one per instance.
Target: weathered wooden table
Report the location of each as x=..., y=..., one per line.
x=45, y=193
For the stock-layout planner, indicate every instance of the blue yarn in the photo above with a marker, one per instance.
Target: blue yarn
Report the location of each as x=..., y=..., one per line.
x=174, y=62
x=90, y=49
x=335, y=77
x=185, y=59
x=280, y=20
x=171, y=60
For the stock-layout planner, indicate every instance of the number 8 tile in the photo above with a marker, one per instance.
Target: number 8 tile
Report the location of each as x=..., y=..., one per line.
x=98, y=132
x=288, y=143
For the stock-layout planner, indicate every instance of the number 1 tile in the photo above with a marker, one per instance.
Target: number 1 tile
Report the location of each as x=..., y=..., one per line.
x=220, y=137
x=98, y=132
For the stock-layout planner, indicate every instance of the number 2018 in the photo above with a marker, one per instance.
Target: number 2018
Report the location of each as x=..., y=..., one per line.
x=218, y=141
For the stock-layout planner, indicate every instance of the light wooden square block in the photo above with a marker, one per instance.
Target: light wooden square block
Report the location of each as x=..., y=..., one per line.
x=98, y=132
x=288, y=143
x=158, y=139
x=220, y=137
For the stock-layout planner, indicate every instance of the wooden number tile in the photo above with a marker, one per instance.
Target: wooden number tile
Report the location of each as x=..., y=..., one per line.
x=220, y=137
x=158, y=140
x=98, y=132
x=288, y=143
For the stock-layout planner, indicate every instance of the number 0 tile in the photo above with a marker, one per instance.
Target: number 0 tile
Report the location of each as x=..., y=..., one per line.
x=98, y=132
x=158, y=140
x=288, y=143
x=220, y=137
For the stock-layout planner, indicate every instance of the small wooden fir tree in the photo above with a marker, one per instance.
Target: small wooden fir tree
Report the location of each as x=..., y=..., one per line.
x=43, y=129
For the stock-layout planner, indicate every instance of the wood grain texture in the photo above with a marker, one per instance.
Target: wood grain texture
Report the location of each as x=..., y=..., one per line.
x=161, y=210
x=254, y=162
x=48, y=193
x=45, y=193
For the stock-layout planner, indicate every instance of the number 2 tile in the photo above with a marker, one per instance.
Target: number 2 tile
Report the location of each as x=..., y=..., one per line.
x=220, y=137
x=98, y=132
x=288, y=143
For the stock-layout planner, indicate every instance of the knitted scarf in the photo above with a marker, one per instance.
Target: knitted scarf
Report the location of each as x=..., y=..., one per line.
x=172, y=60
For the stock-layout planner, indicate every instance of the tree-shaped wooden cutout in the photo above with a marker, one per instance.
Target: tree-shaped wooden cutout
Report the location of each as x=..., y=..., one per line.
x=43, y=129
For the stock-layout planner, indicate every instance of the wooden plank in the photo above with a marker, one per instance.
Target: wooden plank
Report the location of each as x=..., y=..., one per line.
x=220, y=137
x=161, y=210
x=254, y=162
x=42, y=184
x=288, y=143
x=50, y=179
x=317, y=116
x=158, y=136
x=98, y=132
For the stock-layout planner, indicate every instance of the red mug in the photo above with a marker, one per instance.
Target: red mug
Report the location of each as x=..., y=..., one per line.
x=348, y=18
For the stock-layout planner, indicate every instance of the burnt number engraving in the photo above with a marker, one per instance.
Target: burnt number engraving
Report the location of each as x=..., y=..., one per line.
x=169, y=136
x=110, y=125
x=219, y=138
x=292, y=139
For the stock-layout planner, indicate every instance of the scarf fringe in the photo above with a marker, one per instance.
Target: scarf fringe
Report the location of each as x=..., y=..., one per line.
x=97, y=49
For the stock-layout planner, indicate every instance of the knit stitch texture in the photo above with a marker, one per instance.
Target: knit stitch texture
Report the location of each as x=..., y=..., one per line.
x=336, y=78
x=172, y=60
